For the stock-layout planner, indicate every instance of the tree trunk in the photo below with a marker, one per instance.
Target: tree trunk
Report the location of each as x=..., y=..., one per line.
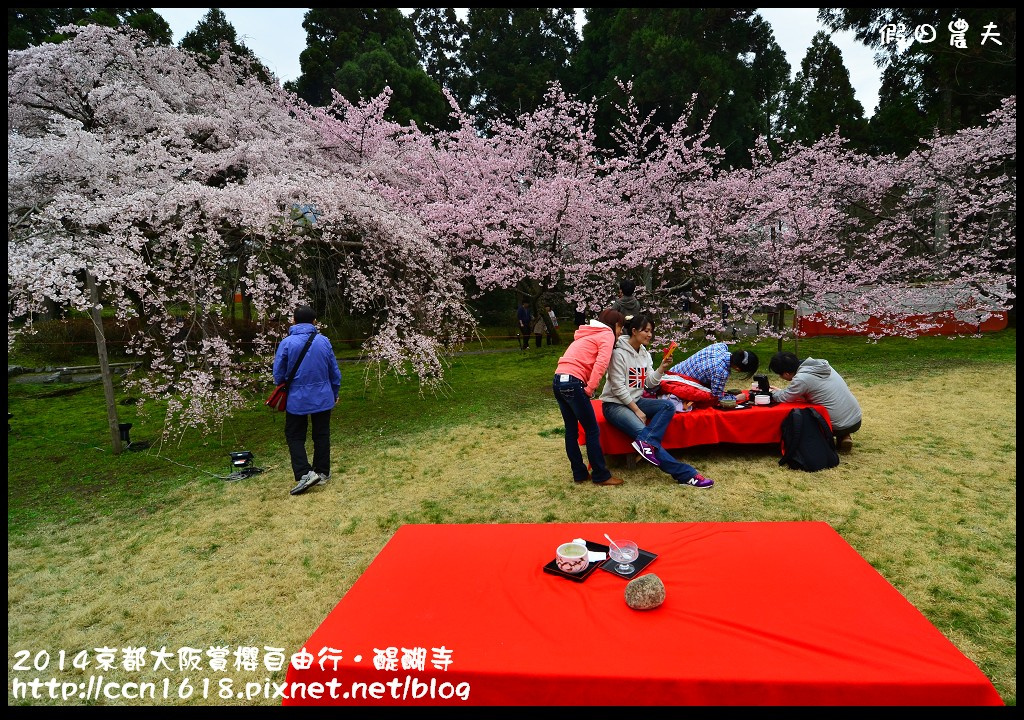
x=780, y=321
x=101, y=350
x=796, y=323
x=941, y=223
x=246, y=309
x=647, y=276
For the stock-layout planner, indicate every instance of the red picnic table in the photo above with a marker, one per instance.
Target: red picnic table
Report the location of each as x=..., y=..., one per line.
x=755, y=613
x=753, y=424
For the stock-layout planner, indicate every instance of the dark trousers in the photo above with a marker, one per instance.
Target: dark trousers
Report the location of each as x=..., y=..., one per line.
x=574, y=404
x=295, y=435
x=840, y=432
x=538, y=336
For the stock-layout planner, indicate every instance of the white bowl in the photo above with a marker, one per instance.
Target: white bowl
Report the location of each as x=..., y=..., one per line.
x=762, y=399
x=572, y=557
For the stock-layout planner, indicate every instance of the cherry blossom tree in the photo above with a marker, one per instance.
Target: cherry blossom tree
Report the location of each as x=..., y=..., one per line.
x=536, y=204
x=161, y=178
x=852, y=235
x=519, y=208
x=174, y=185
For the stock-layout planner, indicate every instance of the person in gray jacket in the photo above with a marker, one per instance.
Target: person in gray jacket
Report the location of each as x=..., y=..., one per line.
x=817, y=382
x=627, y=304
x=644, y=420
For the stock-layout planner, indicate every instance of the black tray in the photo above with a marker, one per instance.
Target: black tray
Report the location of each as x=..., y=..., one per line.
x=644, y=559
x=738, y=407
x=552, y=567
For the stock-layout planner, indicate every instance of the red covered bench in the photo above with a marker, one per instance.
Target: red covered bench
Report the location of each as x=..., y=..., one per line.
x=752, y=425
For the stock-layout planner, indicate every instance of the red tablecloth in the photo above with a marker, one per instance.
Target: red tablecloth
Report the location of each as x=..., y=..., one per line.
x=757, y=424
x=756, y=613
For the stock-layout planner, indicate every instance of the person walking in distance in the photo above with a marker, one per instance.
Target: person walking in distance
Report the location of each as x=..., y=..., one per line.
x=525, y=319
x=312, y=395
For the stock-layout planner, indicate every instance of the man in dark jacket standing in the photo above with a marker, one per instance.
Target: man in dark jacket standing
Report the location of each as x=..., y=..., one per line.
x=525, y=319
x=311, y=396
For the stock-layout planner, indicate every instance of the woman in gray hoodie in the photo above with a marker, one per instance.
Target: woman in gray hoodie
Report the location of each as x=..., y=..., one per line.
x=817, y=382
x=645, y=420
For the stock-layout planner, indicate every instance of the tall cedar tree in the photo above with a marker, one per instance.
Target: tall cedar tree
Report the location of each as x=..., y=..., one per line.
x=439, y=37
x=359, y=52
x=512, y=54
x=34, y=26
x=727, y=56
x=212, y=30
x=934, y=85
x=821, y=97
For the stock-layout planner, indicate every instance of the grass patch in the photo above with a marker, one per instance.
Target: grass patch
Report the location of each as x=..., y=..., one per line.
x=151, y=549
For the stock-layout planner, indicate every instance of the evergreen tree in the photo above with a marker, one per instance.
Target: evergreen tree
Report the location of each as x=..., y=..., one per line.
x=212, y=30
x=821, y=97
x=901, y=117
x=512, y=54
x=34, y=26
x=954, y=87
x=361, y=51
x=728, y=57
x=439, y=38
x=769, y=76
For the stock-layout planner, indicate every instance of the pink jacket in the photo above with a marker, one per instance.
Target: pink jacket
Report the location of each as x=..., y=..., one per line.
x=588, y=355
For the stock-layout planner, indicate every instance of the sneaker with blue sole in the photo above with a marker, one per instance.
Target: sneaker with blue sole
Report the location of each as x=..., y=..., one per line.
x=647, y=452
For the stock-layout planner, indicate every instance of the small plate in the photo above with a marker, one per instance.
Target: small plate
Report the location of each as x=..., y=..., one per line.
x=552, y=567
x=643, y=560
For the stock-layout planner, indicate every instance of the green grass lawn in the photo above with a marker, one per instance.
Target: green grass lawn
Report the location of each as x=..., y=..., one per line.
x=156, y=548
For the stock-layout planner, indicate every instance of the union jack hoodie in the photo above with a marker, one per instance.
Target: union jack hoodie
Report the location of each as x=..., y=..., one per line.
x=630, y=372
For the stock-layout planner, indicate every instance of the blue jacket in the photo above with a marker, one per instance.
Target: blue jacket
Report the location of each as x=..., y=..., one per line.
x=318, y=380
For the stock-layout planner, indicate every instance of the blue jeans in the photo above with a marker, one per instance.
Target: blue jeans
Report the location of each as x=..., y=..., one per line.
x=659, y=414
x=576, y=408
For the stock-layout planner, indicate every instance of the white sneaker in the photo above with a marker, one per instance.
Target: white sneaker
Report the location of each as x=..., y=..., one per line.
x=308, y=480
x=323, y=479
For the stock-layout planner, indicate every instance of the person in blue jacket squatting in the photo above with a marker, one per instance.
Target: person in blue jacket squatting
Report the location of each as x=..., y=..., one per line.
x=311, y=396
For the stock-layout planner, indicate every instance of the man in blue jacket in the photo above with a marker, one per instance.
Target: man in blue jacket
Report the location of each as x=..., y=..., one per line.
x=311, y=395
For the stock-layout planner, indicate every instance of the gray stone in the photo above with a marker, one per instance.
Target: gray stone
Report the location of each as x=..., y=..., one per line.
x=645, y=592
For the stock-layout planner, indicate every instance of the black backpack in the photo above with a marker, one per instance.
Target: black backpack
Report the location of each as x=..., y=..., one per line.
x=807, y=442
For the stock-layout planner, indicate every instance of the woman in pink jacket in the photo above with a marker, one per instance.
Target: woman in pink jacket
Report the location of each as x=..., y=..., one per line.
x=577, y=376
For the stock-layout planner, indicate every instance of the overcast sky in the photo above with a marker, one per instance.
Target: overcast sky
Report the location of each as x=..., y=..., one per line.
x=277, y=38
